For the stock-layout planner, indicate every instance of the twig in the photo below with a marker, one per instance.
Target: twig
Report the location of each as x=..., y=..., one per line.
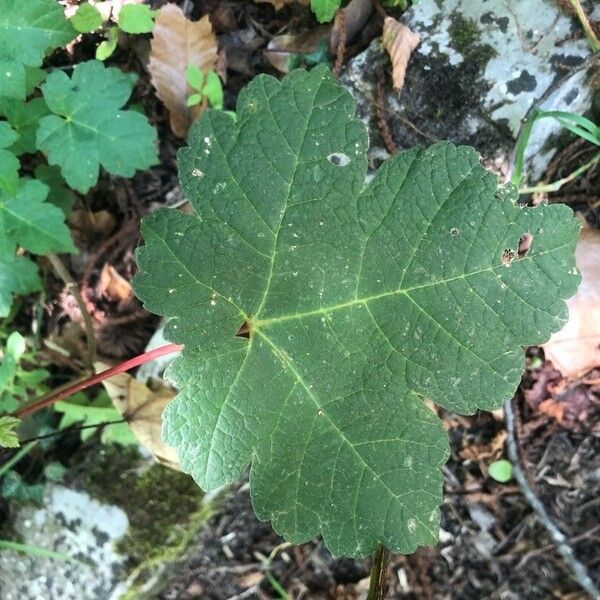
x=557, y=536
x=585, y=23
x=381, y=113
x=377, y=584
x=340, y=51
x=83, y=384
x=72, y=286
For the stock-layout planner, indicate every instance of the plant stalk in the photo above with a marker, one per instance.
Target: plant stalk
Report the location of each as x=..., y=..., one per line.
x=82, y=384
x=585, y=23
x=556, y=185
x=72, y=286
x=378, y=582
x=22, y=453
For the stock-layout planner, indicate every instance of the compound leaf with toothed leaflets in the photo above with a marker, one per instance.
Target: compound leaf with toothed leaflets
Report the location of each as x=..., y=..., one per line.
x=18, y=275
x=29, y=29
x=325, y=9
x=88, y=128
x=357, y=303
x=28, y=221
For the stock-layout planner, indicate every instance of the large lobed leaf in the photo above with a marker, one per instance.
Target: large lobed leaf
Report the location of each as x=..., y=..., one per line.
x=88, y=129
x=28, y=30
x=360, y=303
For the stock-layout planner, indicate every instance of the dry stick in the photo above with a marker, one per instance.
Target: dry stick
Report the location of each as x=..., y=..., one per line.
x=340, y=51
x=72, y=286
x=381, y=113
x=82, y=384
x=377, y=584
x=585, y=23
x=557, y=536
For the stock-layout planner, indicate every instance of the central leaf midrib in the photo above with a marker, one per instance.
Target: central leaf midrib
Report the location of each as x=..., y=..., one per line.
x=406, y=291
x=285, y=205
x=324, y=414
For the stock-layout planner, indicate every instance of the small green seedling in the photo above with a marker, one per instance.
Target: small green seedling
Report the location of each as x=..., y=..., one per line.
x=132, y=18
x=576, y=124
x=207, y=87
x=87, y=18
x=501, y=471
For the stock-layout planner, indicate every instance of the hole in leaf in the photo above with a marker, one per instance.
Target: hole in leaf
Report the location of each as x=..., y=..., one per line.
x=339, y=159
x=508, y=255
x=454, y=232
x=245, y=330
x=524, y=244
x=197, y=173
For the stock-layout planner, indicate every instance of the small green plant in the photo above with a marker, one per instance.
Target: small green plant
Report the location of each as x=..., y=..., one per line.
x=317, y=314
x=501, y=470
x=208, y=88
x=81, y=411
x=325, y=9
x=16, y=382
x=78, y=122
x=133, y=18
x=576, y=124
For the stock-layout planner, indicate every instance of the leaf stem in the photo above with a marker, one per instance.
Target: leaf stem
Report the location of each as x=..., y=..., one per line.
x=377, y=584
x=585, y=23
x=72, y=286
x=82, y=384
x=22, y=453
x=556, y=185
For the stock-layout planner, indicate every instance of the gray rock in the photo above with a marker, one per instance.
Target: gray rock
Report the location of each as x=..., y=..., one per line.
x=479, y=69
x=74, y=524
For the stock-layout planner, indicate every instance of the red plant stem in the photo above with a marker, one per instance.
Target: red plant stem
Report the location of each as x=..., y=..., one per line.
x=82, y=384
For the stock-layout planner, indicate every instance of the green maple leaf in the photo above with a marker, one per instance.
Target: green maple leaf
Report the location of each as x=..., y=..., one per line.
x=27, y=220
x=8, y=435
x=9, y=164
x=88, y=129
x=359, y=303
x=24, y=118
x=325, y=9
x=28, y=31
x=17, y=276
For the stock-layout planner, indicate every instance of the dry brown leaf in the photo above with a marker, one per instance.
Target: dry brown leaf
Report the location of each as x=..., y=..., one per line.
x=575, y=349
x=400, y=42
x=92, y=224
x=142, y=408
x=176, y=43
x=113, y=285
x=282, y=47
x=349, y=21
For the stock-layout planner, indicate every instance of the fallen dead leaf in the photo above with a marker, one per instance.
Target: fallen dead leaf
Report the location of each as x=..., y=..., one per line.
x=283, y=47
x=176, y=43
x=113, y=285
x=92, y=224
x=251, y=579
x=484, y=452
x=400, y=42
x=575, y=349
x=349, y=21
x=142, y=408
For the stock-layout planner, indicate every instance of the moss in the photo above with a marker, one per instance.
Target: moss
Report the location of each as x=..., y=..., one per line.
x=164, y=507
x=466, y=39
